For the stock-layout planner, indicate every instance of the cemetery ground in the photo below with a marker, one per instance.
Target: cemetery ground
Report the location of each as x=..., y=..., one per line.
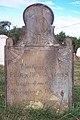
x=16, y=113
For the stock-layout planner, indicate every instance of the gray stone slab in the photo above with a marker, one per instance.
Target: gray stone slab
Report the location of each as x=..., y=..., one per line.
x=39, y=71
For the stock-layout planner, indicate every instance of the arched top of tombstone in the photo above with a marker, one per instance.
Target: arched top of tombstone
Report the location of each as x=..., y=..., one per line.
x=38, y=9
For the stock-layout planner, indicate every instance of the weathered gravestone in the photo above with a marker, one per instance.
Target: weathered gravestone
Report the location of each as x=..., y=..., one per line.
x=38, y=69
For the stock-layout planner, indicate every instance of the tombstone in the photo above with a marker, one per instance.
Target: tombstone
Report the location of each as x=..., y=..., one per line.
x=78, y=52
x=38, y=69
x=2, y=44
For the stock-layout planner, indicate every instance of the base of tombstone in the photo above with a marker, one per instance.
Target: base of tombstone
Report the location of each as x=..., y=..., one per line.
x=42, y=105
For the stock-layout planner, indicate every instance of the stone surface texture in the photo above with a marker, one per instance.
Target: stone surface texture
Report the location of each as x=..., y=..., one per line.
x=38, y=69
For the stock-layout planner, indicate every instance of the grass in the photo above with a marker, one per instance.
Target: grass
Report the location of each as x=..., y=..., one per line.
x=2, y=74
x=17, y=113
x=2, y=98
x=77, y=64
x=77, y=74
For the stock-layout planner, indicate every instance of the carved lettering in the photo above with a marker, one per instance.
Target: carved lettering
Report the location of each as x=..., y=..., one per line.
x=26, y=66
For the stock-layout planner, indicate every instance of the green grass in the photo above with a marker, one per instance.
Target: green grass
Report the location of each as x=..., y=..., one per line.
x=14, y=113
x=1, y=73
x=77, y=74
x=78, y=63
x=17, y=113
